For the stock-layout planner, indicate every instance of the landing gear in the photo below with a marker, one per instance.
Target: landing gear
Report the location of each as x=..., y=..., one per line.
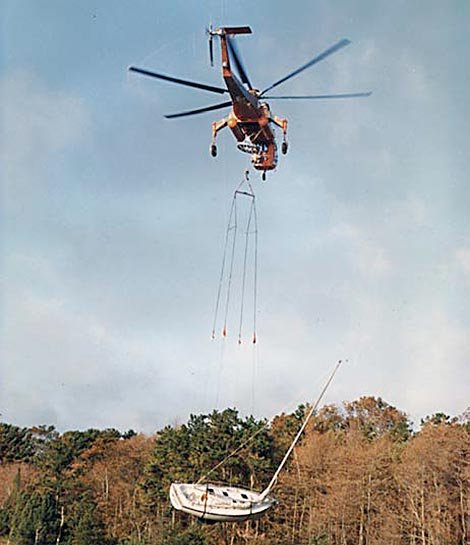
x=216, y=127
x=282, y=123
x=263, y=176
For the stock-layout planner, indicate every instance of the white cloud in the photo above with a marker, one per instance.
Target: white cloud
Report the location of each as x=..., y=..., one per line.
x=414, y=79
x=438, y=354
x=38, y=124
x=63, y=365
x=462, y=256
x=412, y=210
x=366, y=253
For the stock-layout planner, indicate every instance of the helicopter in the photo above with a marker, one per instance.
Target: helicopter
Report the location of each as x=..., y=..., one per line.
x=250, y=118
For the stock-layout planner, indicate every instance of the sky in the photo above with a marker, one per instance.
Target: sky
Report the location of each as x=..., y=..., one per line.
x=113, y=218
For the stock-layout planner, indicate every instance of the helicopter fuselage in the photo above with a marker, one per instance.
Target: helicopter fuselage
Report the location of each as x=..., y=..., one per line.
x=249, y=122
x=249, y=119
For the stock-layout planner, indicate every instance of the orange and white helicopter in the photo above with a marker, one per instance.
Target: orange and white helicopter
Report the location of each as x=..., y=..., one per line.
x=250, y=117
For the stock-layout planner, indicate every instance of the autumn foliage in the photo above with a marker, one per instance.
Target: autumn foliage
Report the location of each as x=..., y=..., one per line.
x=360, y=476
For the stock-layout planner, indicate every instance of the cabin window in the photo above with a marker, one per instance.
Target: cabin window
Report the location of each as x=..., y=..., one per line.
x=225, y=493
x=210, y=490
x=244, y=496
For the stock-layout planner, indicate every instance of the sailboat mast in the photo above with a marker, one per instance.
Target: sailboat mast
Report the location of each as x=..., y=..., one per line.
x=299, y=433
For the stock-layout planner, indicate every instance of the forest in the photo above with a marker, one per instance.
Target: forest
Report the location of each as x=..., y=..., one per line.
x=362, y=475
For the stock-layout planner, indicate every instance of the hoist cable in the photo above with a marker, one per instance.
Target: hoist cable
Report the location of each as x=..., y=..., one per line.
x=227, y=270
x=232, y=258
x=222, y=271
x=220, y=373
x=254, y=366
x=247, y=243
x=255, y=279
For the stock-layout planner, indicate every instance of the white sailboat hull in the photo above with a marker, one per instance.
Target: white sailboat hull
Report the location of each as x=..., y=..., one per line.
x=219, y=503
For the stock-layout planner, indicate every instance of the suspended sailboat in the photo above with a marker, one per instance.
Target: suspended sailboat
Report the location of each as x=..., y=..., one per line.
x=220, y=503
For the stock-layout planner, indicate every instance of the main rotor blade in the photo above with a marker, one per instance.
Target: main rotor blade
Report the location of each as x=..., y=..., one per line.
x=311, y=97
x=238, y=61
x=188, y=83
x=337, y=46
x=200, y=110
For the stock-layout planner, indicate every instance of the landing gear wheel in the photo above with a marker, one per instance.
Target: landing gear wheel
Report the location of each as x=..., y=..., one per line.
x=263, y=176
x=213, y=150
x=284, y=148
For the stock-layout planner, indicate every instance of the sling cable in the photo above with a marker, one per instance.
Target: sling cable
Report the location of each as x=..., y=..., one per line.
x=239, y=265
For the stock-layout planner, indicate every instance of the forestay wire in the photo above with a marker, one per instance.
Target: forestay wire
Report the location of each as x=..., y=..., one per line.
x=249, y=439
x=226, y=276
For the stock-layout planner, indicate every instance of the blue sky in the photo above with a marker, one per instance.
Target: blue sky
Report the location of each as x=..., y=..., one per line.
x=113, y=218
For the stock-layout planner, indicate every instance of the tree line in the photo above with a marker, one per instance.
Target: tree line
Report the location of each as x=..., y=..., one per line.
x=360, y=476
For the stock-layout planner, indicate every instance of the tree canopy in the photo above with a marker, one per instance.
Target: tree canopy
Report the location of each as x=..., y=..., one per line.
x=360, y=474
